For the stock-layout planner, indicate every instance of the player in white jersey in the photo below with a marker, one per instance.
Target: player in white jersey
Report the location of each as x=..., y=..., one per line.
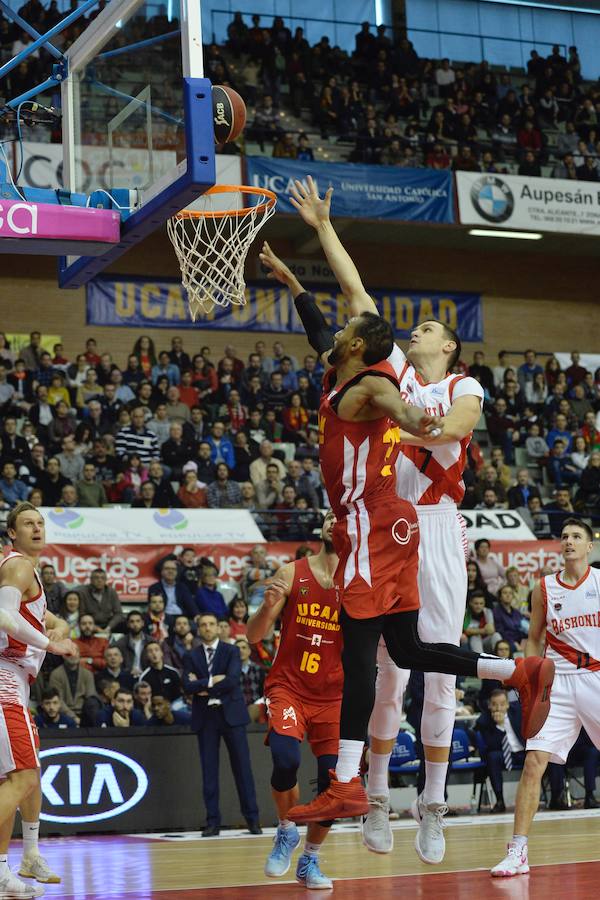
x=566, y=606
x=429, y=475
x=23, y=646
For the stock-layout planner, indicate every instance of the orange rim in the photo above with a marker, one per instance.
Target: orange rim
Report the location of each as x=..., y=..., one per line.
x=229, y=189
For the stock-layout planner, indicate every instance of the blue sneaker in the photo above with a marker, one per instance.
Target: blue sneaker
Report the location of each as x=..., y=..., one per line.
x=280, y=858
x=309, y=874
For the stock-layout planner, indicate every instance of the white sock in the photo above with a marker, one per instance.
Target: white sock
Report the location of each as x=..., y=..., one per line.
x=520, y=841
x=31, y=833
x=311, y=849
x=378, y=774
x=495, y=668
x=4, y=870
x=435, y=782
x=286, y=823
x=348, y=763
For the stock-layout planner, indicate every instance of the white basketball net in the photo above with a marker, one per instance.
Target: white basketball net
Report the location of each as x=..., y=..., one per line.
x=212, y=244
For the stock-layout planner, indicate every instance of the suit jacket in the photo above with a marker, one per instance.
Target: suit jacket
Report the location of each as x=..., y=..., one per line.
x=72, y=703
x=226, y=662
x=515, y=496
x=491, y=734
x=183, y=596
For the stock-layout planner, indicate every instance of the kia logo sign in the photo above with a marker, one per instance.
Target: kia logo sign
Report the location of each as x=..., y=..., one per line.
x=89, y=784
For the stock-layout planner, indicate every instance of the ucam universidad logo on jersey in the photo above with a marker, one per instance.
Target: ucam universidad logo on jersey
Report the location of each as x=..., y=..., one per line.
x=493, y=199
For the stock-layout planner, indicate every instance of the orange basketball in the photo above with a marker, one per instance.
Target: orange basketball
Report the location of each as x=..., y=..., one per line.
x=229, y=113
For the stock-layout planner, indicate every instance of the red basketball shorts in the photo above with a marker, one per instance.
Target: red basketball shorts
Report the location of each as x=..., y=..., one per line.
x=19, y=739
x=318, y=722
x=378, y=553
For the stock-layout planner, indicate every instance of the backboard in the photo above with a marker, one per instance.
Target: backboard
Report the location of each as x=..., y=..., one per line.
x=137, y=113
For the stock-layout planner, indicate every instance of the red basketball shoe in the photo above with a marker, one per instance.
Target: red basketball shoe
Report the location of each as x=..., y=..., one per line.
x=533, y=679
x=341, y=800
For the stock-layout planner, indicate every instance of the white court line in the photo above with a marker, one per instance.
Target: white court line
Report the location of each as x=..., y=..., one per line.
x=397, y=825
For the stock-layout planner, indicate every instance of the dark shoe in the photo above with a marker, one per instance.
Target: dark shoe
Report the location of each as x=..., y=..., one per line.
x=590, y=802
x=254, y=828
x=558, y=803
x=499, y=807
x=211, y=831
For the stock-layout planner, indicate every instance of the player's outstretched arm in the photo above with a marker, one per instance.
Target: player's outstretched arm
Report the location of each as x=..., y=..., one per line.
x=460, y=421
x=537, y=623
x=56, y=628
x=384, y=397
x=278, y=271
x=317, y=330
x=315, y=212
x=278, y=588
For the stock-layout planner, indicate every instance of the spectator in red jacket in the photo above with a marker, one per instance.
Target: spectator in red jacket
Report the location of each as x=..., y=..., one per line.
x=91, y=648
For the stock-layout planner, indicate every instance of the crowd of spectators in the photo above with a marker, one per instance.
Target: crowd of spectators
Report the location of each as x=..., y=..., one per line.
x=166, y=430
x=547, y=421
x=172, y=428
x=395, y=107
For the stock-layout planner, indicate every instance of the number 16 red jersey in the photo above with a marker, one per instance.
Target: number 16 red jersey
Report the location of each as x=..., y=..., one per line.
x=309, y=658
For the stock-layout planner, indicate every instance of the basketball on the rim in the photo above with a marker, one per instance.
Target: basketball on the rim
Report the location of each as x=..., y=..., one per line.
x=229, y=113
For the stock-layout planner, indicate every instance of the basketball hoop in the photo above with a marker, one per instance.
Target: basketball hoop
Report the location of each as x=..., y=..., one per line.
x=212, y=244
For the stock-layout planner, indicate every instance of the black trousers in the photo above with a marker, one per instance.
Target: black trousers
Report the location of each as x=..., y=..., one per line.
x=495, y=767
x=209, y=740
x=408, y=651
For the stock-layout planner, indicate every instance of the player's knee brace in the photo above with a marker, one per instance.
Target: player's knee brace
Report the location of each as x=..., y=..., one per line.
x=439, y=708
x=389, y=690
x=285, y=752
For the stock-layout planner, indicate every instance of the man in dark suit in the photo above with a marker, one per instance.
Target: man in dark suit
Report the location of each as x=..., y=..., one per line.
x=519, y=494
x=500, y=730
x=211, y=673
x=177, y=596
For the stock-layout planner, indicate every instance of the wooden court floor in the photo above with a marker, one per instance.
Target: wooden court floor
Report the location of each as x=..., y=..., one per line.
x=564, y=854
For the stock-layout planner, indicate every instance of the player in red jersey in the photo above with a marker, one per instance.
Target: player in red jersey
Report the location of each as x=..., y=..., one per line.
x=377, y=537
x=24, y=642
x=303, y=692
x=429, y=473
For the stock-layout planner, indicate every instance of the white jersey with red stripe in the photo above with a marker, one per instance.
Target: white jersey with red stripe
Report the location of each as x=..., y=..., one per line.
x=20, y=663
x=573, y=622
x=428, y=476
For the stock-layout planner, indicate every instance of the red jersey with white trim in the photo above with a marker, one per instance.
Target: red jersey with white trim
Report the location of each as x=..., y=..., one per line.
x=357, y=458
x=427, y=476
x=573, y=622
x=309, y=658
x=16, y=653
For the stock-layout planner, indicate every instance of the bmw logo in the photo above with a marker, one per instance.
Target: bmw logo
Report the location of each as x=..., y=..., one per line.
x=492, y=198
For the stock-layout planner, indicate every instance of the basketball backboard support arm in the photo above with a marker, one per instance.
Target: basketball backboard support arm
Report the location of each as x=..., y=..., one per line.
x=188, y=180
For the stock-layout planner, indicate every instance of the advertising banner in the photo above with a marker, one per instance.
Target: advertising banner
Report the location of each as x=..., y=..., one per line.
x=85, y=525
x=496, y=525
x=135, y=303
x=132, y=568
x=361, y=191
x=531, y=204
x=43, y=167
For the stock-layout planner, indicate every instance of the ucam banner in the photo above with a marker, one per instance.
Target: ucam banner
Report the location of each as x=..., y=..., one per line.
x=116, y=525
x=529, y=204
x=135, y=303
x=363, y=192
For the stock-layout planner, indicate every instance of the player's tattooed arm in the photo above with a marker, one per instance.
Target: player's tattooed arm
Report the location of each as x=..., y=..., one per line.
x=277, y=590
x=537, y=623
x=385, y=398
x=458, y=423
x=315, y=211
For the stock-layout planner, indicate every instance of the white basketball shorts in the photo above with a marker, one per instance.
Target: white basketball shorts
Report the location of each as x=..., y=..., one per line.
x=574, y=703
